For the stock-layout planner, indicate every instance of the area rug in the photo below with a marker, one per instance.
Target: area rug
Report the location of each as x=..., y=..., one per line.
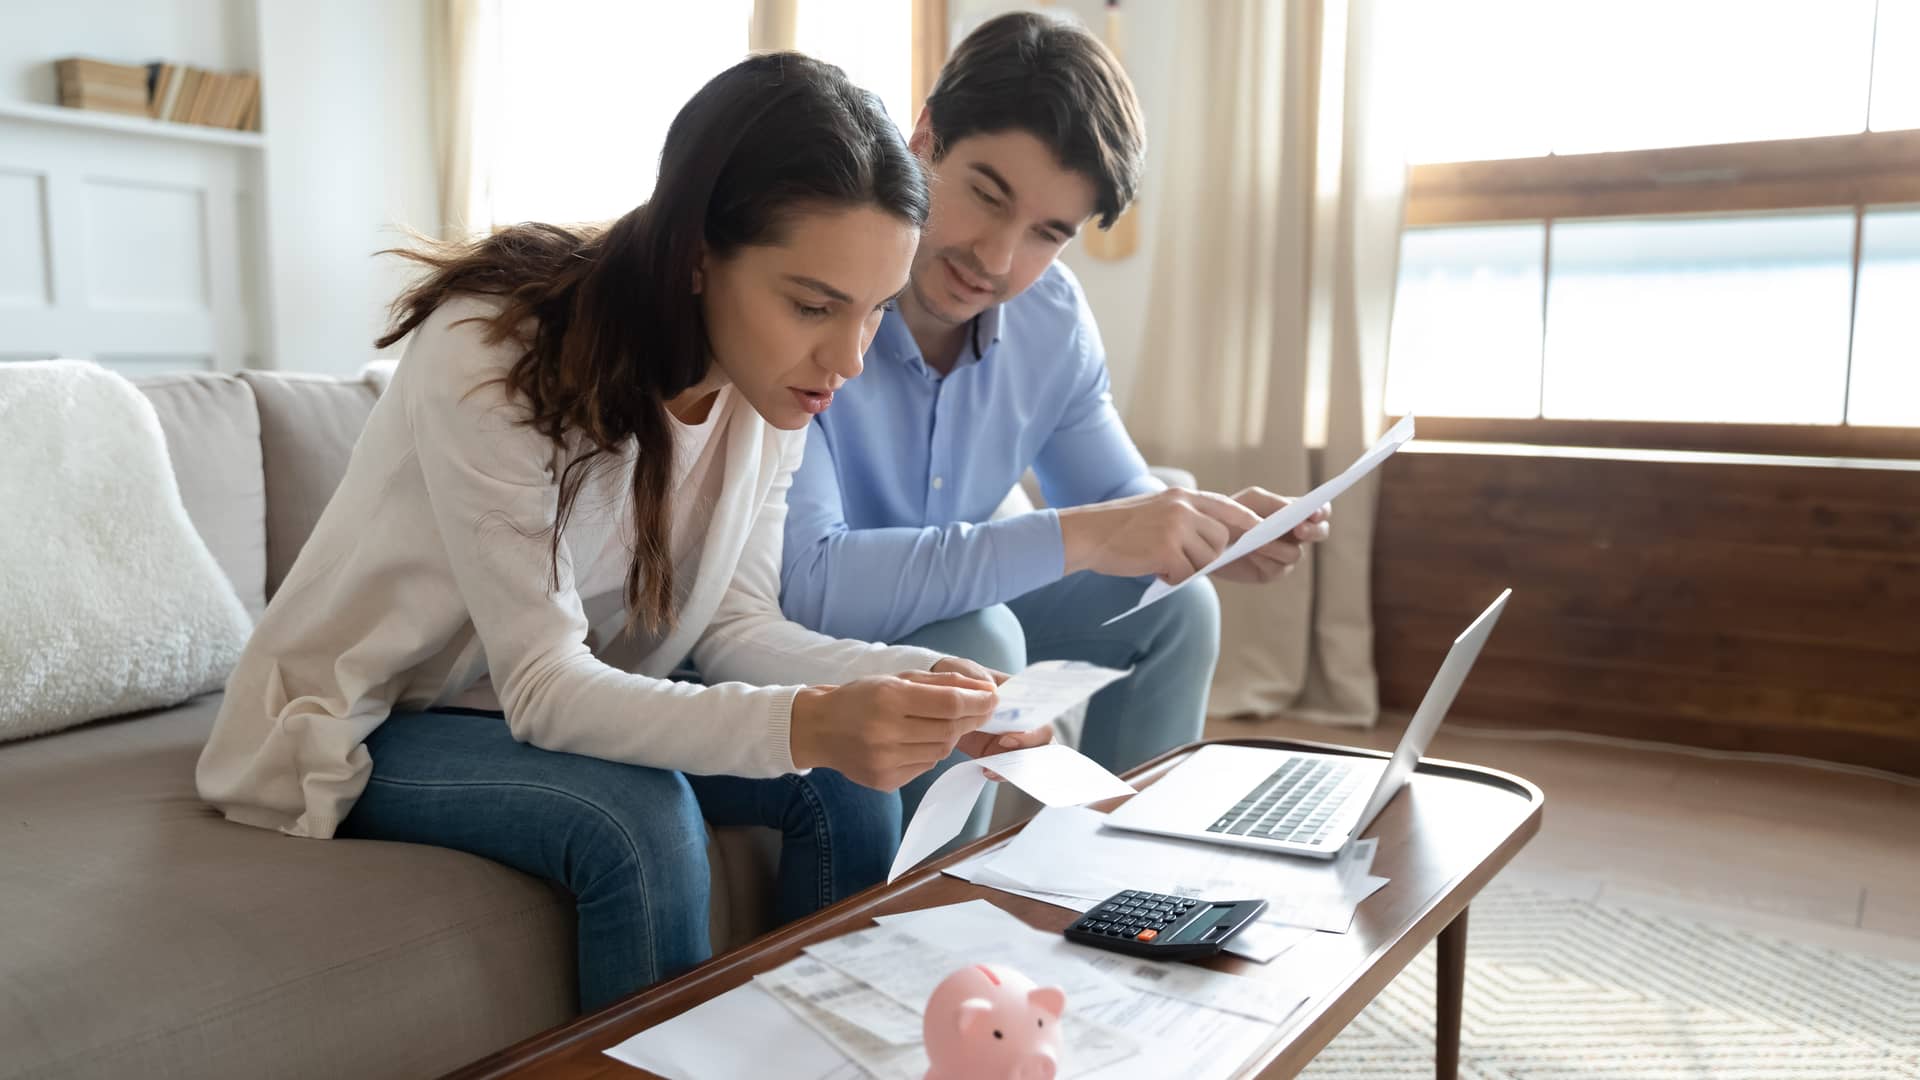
x=1568, y=988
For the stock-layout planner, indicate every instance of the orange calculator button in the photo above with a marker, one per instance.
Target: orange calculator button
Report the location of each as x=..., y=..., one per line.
x=1147, y=935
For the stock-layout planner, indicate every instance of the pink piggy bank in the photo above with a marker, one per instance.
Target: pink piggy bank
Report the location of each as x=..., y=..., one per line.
x=989, y=1022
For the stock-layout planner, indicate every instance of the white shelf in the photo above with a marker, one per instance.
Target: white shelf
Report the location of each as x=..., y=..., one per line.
x=129, y=125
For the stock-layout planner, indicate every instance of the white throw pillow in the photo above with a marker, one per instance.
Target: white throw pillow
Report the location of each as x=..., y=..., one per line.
x=109, y=600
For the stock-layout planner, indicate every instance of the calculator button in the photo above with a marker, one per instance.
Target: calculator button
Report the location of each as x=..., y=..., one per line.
x=1147, y=935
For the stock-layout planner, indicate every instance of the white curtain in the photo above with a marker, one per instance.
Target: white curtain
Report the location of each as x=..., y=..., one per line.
x=555, y=110
x=466, y=53
x=1273, y=282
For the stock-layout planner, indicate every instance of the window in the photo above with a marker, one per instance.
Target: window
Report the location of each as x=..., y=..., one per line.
x=871, y=40
x=578, y=95
x=1670, y=215
x=574, y=97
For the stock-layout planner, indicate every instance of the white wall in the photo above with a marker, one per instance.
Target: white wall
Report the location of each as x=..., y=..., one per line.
x=116, y=245
x=148, y=253
x=1120, y=292
x=33, y=34
x=347, y=100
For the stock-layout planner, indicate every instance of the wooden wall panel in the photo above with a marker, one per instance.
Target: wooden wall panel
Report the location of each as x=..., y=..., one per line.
x=1707, y=600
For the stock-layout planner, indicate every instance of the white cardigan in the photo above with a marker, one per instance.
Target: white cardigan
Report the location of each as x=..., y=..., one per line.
x=428, y=570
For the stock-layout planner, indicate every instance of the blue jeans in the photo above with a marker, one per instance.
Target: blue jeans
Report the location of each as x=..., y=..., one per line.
x=627, y=841
x=1171, y=646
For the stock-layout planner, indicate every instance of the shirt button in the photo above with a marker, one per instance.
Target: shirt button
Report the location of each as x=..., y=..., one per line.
x=938, y=483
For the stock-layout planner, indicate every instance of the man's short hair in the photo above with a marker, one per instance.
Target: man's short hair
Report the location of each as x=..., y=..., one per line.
x=1055, y=81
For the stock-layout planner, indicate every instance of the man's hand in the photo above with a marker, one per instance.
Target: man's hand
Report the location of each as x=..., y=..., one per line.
x=981, y=744
x=960, y=665
x=1171, y=534
x=1278, y=558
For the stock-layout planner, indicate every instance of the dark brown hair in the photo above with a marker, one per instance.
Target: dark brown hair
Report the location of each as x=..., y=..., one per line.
x=1057, y=82
x=611, y=325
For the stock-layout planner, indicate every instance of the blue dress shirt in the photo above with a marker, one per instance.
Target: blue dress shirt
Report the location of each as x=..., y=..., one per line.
x=887, y=526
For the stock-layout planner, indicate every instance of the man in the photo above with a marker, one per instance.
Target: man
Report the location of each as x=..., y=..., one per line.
x=991, y=364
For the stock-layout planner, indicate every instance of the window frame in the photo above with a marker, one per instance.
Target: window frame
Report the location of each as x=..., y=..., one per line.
x=1858, y=171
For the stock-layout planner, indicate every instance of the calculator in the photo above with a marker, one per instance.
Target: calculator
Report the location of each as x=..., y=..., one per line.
x=1163, y=927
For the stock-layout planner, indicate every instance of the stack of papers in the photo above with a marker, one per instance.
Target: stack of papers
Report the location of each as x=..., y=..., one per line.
x=850, y=1007
x=1065, y=856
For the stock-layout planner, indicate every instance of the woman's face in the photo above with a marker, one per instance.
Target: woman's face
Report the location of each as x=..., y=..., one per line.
x=790, y=321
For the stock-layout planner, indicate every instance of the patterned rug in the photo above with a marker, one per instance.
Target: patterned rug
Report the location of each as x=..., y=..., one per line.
x=1563, y=988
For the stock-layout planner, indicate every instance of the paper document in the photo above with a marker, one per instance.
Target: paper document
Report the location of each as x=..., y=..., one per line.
x=1044, y=690
x=1289, y=517
x=906, y=968
x=733, y=1037
x=1177, y=1037
x=1066, y=850
x=1257, y=999
x=1259, y=941
x=875, y=1056
x=1053, y=774
x=845, y=995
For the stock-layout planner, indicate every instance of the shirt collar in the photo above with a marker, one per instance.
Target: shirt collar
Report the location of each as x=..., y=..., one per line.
x=893, y=341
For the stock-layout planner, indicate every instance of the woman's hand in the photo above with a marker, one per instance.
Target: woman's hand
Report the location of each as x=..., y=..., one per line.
x=884, y=730
x=979, y=743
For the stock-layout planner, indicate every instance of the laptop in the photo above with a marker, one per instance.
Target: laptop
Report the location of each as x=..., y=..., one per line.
x=1293, y=801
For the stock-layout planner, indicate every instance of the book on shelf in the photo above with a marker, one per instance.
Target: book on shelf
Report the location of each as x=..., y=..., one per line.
x=177, y=93
x=98, y=85
x=165, y=79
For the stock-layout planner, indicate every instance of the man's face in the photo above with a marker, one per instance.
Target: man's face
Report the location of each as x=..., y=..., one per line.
x=1003, y=207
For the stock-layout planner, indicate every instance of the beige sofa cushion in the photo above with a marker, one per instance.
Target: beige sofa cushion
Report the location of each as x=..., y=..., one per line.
x=213, y=440
x=308, y=425
x=145, y=936
x=166, y=942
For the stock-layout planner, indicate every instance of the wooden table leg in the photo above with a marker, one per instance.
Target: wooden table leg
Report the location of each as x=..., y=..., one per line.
x=1453, y=977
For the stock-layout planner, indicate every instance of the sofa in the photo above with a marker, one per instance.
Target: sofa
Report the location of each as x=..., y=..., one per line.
x=143, y=935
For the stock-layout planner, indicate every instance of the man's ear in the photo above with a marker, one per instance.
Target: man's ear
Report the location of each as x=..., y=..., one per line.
x=920, y=142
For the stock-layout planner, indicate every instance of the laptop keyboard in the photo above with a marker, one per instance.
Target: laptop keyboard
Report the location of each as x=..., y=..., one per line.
x=1296, y=803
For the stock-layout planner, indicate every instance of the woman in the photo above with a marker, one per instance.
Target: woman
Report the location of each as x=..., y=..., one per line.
x=576, y=478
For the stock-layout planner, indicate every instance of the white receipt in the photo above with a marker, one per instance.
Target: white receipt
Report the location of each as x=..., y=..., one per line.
x=1044, y=690
x=1068, y=851
x=843, y=993
x=906, y=968
x=874, y=1055
x=1053, y=774
x=1289, y=517
x=733, y=1037
x=1257, y=999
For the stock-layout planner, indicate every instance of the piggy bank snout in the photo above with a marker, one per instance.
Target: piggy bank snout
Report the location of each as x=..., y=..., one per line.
x=1039, y=1065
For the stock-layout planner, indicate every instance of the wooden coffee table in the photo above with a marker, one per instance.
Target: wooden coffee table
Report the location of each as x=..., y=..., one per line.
x=1441, y=841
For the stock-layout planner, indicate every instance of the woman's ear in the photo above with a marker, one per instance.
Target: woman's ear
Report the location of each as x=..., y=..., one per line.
x=700, y=271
